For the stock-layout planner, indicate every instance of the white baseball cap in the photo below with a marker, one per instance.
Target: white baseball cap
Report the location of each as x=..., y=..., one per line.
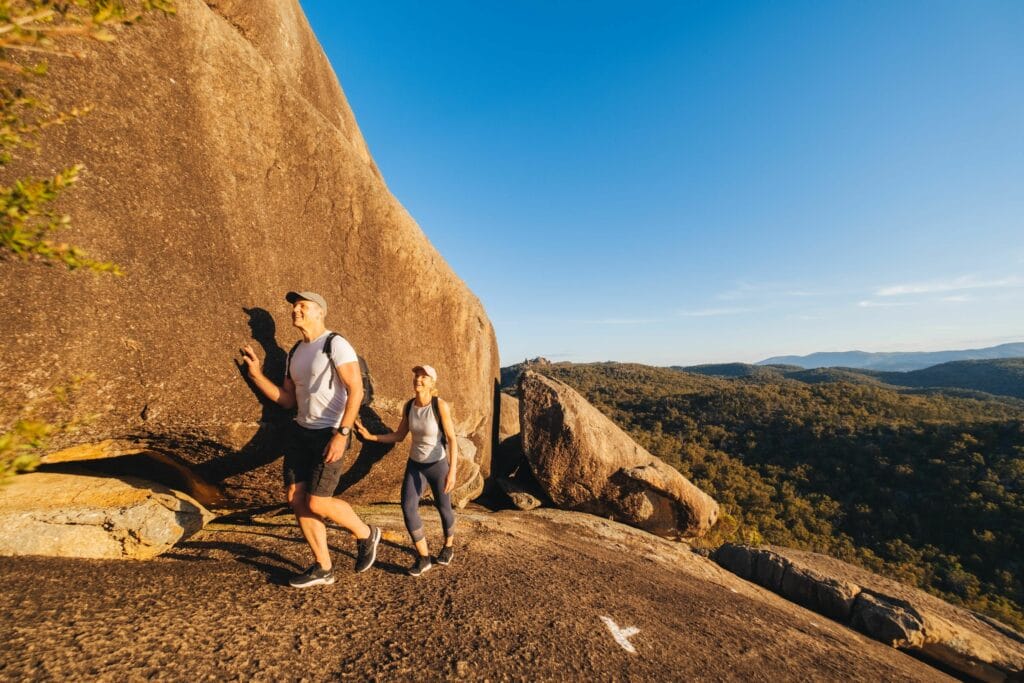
x=426, y=370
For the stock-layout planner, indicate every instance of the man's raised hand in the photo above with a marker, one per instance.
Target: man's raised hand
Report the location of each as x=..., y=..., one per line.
x=251, y=361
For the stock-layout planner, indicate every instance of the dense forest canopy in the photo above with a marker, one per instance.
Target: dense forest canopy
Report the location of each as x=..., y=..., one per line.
x=925, y=487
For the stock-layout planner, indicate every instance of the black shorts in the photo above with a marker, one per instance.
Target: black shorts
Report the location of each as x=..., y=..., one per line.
x=304, y=460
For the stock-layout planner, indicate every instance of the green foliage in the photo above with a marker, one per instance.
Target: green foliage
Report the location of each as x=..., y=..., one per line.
x=928, y=489
x=20, y=446
x=28, y=435
x=28, y=217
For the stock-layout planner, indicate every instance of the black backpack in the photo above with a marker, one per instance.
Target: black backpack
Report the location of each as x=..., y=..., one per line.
x=437, y=416
x=364, y=369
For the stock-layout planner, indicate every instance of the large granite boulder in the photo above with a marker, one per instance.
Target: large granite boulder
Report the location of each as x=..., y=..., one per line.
x=224, y=168
x=508, y=417
x=584, y=462
x=886, y=610
x=68, y=515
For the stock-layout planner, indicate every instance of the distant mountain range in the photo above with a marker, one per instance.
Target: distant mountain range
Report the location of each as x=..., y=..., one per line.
x=1002, y=376
x=895, y=361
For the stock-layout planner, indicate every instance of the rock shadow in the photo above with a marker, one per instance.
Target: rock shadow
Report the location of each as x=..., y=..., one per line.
x=148, y=466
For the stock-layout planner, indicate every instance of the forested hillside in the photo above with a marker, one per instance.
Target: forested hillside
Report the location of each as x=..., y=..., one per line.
x=927, y=488
x=1002, y=376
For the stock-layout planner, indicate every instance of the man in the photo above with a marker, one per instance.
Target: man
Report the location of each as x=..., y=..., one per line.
x=327, y=390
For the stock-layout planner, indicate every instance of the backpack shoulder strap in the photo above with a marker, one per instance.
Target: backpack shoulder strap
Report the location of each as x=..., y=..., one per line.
x=327, y=352
x=329, y=342
x=408, y=408
x=436, y=405
x=288, y=363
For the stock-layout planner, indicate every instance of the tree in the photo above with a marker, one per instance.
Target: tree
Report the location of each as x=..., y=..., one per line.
x=30, y=30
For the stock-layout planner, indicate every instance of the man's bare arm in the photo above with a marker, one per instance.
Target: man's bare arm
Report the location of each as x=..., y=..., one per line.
x=353, y=379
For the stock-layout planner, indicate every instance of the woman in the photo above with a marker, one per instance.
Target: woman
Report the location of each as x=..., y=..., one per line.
x=432, y=459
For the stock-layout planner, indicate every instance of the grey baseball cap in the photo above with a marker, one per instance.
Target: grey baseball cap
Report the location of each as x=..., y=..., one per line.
x=292, y=297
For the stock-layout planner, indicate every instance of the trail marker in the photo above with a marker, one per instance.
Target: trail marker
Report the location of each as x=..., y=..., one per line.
x=622, y=635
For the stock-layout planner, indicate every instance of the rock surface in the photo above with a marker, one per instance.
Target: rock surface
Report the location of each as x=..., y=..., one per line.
x=508, y=418
x=584, y=462
x=224, y=168
x=66, y=515
x=523, y=600
x=890, y=612
x=469, y=480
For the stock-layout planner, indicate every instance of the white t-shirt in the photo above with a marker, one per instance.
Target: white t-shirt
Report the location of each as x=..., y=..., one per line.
x=320, y=401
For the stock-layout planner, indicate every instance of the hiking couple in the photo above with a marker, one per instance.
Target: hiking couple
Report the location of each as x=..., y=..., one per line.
x=323, y=381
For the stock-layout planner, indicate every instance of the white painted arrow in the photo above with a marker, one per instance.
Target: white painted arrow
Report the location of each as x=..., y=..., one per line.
x=622, y=635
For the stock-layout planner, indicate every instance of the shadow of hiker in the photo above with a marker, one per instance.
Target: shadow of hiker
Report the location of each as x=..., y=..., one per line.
x=265, y=445
x=391, y=567
x=369, y=453
x=276, y=567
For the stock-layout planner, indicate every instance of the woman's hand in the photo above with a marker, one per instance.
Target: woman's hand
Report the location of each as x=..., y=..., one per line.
x=449, y=481
x=363, y=432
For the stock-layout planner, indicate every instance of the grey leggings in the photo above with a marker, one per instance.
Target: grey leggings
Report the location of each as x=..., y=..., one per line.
x=417, y=476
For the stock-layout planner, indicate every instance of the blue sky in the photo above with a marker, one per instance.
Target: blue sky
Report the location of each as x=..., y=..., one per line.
x=693, y=182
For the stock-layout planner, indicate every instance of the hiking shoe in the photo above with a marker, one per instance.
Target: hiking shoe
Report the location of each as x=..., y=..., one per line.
x=422, y=565
x=446, y=555
x=367, y=550
x=314, y=576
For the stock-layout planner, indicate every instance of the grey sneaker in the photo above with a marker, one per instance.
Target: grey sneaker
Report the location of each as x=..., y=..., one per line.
x=367, y=554
x=314, y=576
x=445, y=556
x=422, y=565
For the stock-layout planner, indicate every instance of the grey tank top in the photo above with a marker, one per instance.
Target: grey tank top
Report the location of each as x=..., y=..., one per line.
x=426, y=435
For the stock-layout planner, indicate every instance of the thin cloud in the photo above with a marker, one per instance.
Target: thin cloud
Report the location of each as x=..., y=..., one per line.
x=956, y=284
x=620, y=321
x=958, y=298
x=745, y=290
x=710, y=312
x=868, y=303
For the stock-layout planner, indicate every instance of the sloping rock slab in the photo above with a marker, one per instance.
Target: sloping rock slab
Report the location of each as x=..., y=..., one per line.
x=69, y=515
x=585, y=462
x=524, y=600
x=888, y=611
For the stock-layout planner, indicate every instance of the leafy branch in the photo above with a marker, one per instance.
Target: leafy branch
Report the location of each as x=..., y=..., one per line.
x=47, y=28
x=27, y=436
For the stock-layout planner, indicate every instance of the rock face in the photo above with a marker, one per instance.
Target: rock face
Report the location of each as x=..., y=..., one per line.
x=585, y=462
x=224, y=168
x=508, y=418
x=469, y=482
x=883, y=609
x=66, y=515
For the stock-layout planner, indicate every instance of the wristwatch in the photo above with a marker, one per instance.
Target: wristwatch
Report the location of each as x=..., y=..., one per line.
x=344, y=431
